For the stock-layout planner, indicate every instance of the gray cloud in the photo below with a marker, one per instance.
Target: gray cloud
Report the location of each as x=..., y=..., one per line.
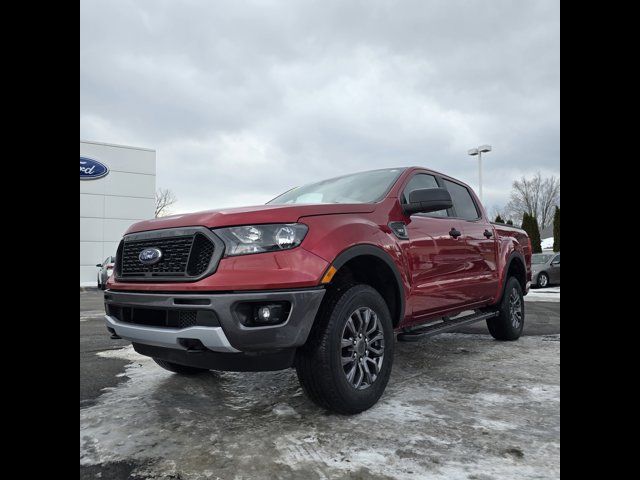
x=243, y=100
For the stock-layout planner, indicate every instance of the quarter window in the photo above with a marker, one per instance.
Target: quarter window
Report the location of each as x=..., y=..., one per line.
x=462, y=201
x=418, y=182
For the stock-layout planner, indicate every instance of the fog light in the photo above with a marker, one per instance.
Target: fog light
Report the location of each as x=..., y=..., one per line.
x=268, y=314
x=264, y=313
x=256, y=314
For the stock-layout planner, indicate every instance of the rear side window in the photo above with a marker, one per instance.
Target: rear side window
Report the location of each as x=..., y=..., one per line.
x=418, y=182
x=462, y=201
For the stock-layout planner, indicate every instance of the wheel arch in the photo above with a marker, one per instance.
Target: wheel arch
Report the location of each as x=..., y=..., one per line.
x=515, y=266
x=370, y=264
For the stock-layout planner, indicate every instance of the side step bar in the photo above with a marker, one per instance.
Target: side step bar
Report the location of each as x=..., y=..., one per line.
x=445, y=325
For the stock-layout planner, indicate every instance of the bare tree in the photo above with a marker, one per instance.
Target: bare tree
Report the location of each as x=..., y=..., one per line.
x=164, y=199
x=536, y=196
x=498, y=211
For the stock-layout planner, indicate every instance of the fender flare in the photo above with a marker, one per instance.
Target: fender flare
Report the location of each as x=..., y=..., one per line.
x=512, y=257
x=372, y=250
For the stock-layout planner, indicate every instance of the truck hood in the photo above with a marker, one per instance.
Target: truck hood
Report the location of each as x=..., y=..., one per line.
x=250, y=215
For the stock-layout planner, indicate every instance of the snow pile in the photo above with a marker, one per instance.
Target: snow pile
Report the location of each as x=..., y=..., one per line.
x=547, y=243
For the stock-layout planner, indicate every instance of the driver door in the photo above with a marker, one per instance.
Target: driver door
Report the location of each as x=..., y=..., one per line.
x=435, y=255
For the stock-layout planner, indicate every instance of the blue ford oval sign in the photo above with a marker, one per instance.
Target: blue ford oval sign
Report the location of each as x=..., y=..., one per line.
x=149, y=256
x=91, y=169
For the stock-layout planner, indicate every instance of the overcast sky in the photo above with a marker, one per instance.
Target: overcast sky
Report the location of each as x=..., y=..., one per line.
x=243, y=100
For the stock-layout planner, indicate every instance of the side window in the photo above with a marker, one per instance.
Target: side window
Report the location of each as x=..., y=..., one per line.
x=557, y=259
x=420, y=181
x=462, y=201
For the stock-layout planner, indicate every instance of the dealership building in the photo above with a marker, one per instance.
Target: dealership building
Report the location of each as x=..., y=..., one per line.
x=117, y=188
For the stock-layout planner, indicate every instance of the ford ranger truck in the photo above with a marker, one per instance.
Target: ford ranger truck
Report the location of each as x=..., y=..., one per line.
x=322, y=278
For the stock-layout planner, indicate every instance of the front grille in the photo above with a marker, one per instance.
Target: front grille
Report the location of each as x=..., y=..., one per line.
x=162, y=317
x=175, y=255
x=183, y=256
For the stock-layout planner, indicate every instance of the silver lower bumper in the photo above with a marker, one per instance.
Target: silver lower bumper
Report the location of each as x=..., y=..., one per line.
x=211, y=337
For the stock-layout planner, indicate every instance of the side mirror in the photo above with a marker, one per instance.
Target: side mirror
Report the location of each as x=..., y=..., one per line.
x=427, y=200
x=555, y=264
x=98, y=265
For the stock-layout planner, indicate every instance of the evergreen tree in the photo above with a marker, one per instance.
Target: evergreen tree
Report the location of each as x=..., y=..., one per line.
x=509, y=222
x=556, y=230
x=536, y=241
x=499, y=219
x=530, y=225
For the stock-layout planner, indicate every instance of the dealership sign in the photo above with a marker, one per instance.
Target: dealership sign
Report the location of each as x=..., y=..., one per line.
x=91, y=169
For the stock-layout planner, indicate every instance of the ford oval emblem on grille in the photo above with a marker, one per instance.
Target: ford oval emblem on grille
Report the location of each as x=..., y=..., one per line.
x=149, y=256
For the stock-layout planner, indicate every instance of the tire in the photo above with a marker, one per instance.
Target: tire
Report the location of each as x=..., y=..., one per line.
x=543, y=280
x=348, y=312
x=177, y=368
x=507, y=325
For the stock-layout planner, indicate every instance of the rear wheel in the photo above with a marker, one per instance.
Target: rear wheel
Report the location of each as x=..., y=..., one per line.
x=177, y=368
x=346, y=363
x=509, y=323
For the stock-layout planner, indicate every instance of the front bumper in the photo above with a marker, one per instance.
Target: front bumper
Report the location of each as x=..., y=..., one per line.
x=229, y=335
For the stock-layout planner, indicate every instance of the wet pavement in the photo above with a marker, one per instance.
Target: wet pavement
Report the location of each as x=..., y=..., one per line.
x=458, y=406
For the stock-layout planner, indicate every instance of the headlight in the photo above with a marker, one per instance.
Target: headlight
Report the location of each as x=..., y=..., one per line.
x=261, y=238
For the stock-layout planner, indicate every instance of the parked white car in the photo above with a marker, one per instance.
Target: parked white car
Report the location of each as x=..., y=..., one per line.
x=106, y=270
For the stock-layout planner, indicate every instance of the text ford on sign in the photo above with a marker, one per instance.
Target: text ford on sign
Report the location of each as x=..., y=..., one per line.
x=91, y=169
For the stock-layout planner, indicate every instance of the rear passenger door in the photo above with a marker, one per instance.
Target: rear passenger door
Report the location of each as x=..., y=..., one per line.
x=480, y=272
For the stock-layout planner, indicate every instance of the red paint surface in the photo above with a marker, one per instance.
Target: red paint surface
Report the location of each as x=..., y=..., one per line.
x=440, y=274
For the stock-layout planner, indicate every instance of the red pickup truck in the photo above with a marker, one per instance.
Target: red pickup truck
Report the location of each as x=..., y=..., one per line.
x=322, y=278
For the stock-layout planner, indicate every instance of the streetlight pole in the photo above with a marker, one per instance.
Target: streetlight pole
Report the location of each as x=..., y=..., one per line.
x=479, y=151
x=480, y=174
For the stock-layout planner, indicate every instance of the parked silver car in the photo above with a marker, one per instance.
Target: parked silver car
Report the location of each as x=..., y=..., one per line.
x=106, y=269
x=545, y=269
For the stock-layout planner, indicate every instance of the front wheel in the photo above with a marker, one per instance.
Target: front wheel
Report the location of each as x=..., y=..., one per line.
x=509, y=322
x=543, y=280
x=346, y=363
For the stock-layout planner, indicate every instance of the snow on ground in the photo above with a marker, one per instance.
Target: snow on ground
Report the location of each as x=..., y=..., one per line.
x=457, y=407
x=87, y=314
x=549, y=294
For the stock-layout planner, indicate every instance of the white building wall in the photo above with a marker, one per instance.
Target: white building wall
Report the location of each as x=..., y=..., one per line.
x=109, y=205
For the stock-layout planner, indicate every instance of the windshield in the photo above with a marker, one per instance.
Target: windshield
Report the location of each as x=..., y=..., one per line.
x=364, y=187
x=538, y=258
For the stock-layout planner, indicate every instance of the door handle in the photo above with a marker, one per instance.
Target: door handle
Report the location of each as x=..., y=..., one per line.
x=454, y=233
x=488, y=234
